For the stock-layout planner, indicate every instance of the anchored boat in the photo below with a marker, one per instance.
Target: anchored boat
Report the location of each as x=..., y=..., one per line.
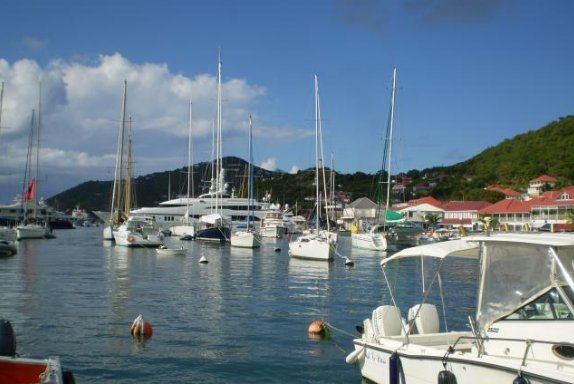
x=522, y=331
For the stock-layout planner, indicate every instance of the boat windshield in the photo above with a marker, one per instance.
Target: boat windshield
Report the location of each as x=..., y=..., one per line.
x=514, y=274
x=549, y=306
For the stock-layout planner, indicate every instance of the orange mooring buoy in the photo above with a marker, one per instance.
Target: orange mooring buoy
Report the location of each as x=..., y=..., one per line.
x=141, y=328
x=318, y=328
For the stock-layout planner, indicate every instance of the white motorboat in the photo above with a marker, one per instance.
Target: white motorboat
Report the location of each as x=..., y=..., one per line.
x=138, y=232
x=272, y=224
x=522, y=331
x=317, y=244
x=374, y=239
x=165, y=251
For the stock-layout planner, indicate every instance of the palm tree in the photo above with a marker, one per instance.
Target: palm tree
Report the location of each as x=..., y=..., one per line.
x=432, y=219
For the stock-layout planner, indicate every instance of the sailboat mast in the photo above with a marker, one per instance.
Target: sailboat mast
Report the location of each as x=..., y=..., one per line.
x=390, y=142
x=317, y=197
x=189, y=174
x=219, y=139
x=129, y=170
x=250, y=176
x=190, y=156
x=27, y=170
x=1, y=104
x=118, y=172
x=37, y=182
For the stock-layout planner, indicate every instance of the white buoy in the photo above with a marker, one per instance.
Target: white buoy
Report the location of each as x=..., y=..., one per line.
x=349, y=262
x=203, y=260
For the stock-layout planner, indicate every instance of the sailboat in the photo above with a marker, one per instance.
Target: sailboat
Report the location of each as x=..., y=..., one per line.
x=315, y=245
x=187, y=226
x=117, y=215
x=136, y=231
x=32, y=228
x=248, y=238
x=214, y=226
x=374, y=237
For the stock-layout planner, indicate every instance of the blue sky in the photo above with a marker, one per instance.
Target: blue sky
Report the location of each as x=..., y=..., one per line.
x=471, y=73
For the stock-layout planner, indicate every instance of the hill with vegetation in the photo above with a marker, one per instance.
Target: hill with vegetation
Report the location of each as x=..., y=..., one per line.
x=510, y=164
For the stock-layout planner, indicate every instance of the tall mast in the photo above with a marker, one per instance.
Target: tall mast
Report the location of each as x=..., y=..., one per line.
x=317, y=119
x=1, y=103
x=390, y=142
x=38, y=149
x=118, y=172
x=250, y=173
x=189, y=174
x=219, y=139
x=129, y=171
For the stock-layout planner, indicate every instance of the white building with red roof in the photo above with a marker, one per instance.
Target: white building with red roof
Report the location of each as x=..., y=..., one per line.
x=462, y=213
x=537, y=186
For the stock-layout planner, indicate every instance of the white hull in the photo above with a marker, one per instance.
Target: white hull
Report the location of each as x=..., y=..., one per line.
x=183, y=230
x=108, y=233
x=274, y=231
x=174, y=210
x=30, y=231
x=134, y=239
x=7, y=234
x=422, y=364
x=244, y=239
x=371, y=241
x=138, y=232
x=311, y=247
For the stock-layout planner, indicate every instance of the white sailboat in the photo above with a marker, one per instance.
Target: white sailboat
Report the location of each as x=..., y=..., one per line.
x=315, y=245
x=374, y=236
x=32, y=228
x=136, y=231
x=248, y=238
x=117, y=214
x=215, y=226
x=187, y=226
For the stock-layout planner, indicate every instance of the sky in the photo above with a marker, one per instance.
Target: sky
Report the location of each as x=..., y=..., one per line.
x=470, y=74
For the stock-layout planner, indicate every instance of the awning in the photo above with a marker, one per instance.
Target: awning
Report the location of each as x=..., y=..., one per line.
x=450, y=248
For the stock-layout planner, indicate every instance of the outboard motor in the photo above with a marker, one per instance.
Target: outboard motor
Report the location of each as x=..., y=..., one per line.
x=7, y=339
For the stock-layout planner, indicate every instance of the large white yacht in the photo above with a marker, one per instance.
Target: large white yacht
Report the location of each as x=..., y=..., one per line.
x=172, y=212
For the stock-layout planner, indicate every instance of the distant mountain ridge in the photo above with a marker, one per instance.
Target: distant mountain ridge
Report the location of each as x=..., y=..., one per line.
x=512, y=163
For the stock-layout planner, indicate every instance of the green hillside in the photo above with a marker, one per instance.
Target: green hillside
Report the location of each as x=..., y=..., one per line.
x=511, y=164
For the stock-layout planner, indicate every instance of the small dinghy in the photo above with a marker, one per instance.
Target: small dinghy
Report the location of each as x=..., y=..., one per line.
x=165, y=251
x=7, y=248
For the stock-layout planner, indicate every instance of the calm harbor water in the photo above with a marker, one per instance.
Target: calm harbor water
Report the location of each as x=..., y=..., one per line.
x=241, y=318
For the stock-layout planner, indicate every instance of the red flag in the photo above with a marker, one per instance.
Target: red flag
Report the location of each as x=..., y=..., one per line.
x=31, y=193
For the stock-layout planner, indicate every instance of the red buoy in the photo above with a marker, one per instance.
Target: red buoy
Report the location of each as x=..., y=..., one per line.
x=318, y=328
x=141, y=328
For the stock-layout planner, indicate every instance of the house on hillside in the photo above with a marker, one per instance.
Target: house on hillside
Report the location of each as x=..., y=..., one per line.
x=552, y=207
x=416, y=210
x=462, y=213
x=507, y=192
x=537, y=186
x=361, y=209
x=510, y=214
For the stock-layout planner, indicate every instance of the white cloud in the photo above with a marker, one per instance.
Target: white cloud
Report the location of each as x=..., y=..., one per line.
x=294, y=169
x=81, y=108
x=269, y=164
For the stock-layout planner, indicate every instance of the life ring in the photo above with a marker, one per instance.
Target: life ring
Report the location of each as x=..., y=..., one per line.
x=131, y=239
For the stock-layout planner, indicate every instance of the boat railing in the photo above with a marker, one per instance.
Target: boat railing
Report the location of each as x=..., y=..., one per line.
x=562, y=349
